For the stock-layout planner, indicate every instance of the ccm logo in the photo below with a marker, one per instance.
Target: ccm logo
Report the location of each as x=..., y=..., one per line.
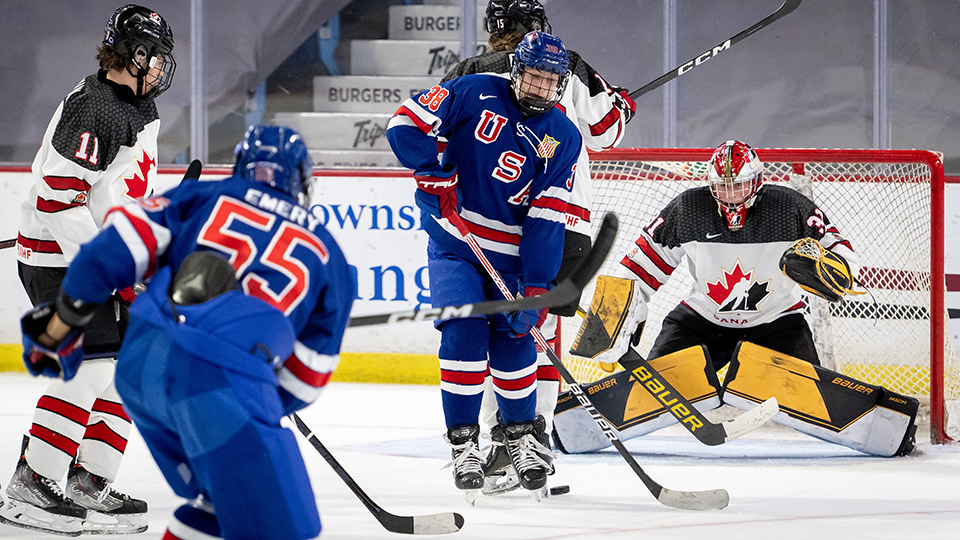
x=433, y=314
x=665, y=396
x=703, y=57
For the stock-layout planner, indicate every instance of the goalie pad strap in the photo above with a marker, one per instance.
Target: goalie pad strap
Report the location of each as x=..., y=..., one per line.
x=820, y=402
x=633, y=409
x=616, y=312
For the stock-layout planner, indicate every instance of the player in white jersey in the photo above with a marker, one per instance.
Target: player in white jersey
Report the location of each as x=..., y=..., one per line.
x=600, y=111
x=99, y=151
x=752, y=248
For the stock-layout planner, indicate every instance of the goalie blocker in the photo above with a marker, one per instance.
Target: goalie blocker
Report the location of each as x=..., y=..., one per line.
x=813, y=400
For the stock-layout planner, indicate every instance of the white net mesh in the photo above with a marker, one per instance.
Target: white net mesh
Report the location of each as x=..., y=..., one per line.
x=880, y=201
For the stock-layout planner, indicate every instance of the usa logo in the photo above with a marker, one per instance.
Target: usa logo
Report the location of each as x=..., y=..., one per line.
x=547, y=147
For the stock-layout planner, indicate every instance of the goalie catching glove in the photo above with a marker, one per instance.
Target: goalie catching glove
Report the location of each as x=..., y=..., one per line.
x=817, y=270
x=616, y=317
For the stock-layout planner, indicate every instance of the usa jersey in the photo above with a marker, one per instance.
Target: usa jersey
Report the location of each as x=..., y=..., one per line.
x=281, y=252
x=737, y=278
x=588, y=102
x=515, y=173
x=99, y=151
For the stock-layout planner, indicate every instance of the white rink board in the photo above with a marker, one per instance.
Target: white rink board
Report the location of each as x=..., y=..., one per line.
x=382, y=248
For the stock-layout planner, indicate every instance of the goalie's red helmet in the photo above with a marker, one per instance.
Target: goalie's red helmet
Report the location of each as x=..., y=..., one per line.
x=735, y=175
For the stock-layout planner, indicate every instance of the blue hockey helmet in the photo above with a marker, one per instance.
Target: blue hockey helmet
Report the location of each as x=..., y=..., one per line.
x=274, y=155
x=537, y=93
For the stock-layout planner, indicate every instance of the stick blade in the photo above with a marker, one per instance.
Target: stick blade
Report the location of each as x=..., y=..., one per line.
x=751, y=420
x=714, y=499
x=193, y=170
x=442, y=523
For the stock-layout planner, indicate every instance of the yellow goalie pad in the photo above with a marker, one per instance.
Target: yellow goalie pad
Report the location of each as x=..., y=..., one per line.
x=637, y=407
x=820, y=402
x=614, y=311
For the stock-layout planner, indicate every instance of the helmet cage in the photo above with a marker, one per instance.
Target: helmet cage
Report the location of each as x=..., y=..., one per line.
x=145, y=39
x=545, y=53
x=735, y=175
x=523, y=16
x=276, y=156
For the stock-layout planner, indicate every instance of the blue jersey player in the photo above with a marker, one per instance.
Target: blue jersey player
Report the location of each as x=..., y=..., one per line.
x=506, y=171
x=246, y=303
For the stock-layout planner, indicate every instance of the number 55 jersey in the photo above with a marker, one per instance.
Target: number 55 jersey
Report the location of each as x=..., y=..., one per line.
x=281, y=253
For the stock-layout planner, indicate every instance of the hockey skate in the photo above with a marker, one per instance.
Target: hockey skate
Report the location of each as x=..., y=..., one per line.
x=467, y=460
x=532, y=460
x=36, y=502
x=500, y=476
x=108, y=511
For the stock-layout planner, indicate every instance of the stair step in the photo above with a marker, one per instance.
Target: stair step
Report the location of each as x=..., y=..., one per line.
x=432, y=23
x=353, y=159
x=366, y=93
x=406, y=57
x=338, y=131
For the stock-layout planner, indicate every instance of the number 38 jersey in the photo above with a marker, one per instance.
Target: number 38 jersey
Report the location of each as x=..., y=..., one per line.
x=99, y=151
x=281, y=252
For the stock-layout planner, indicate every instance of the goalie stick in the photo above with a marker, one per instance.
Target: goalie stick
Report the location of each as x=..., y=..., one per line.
x=192, y=172
x=787, y=7
x=441, y=523
x=567, y=291
x=715, y=499
x=693, y=420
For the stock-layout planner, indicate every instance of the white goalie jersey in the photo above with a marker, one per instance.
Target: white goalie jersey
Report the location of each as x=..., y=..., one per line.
x=737, y=279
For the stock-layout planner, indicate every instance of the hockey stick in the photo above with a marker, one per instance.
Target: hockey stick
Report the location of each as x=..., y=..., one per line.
x=567, y=291
x=787, y=7
x=192, y=172
x=442, y=523
x=689, y=417
x=688, y=500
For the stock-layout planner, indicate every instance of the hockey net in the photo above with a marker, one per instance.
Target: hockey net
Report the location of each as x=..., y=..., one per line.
x=889, y=204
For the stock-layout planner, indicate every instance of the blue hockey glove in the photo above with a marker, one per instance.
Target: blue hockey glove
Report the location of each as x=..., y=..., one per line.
x=522, y=321
x=61, y=362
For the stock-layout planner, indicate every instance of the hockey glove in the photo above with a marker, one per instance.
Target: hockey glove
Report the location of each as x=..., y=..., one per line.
x=615, y=320
x=435, y=185
x=817, y=270
x=60, y=361
x=623, y=101
x=522, y=321
x=440, y=206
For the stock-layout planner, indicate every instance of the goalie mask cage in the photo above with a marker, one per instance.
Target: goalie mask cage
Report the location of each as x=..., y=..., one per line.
x=888, y=203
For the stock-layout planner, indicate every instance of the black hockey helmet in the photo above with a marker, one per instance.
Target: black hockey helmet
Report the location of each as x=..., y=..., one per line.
x=522, y=16
x=145, y=39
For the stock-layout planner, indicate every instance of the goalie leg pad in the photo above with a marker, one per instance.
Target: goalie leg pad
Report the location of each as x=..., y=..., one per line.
x=822, y=403
x=631, y=408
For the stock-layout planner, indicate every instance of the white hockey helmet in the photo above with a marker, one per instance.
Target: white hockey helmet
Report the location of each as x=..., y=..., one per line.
x=735, y=175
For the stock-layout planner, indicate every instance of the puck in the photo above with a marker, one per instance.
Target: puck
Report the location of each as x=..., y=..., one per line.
x=559, y=490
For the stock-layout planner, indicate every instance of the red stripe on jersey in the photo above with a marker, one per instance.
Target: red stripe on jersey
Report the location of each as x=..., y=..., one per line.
x=145, y=232
x=50, y=207
x=561, y=107
x=40, y=246
x=798, y=305
x=54, y=439
x=578, y=211
x=167, y=535
x=610, y=119
x=471, y=378
x=66, y=182
x=102, y=432
x=551, y=203
x=515, y=384
x=62, y=408
x=111, y=408
x=654, y=256
x=651, y=281
x=424, y=127
x=304, y=373
x=495, y=235
x=547, y=373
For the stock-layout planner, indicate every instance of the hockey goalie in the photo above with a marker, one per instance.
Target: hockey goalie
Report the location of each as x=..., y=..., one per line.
x=752, y=249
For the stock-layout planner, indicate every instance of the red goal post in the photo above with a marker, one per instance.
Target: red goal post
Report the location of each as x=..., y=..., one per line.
x=888, y=203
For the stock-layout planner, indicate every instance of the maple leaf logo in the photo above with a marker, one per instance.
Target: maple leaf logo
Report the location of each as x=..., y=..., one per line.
x=736, y=290
x=137, y=182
